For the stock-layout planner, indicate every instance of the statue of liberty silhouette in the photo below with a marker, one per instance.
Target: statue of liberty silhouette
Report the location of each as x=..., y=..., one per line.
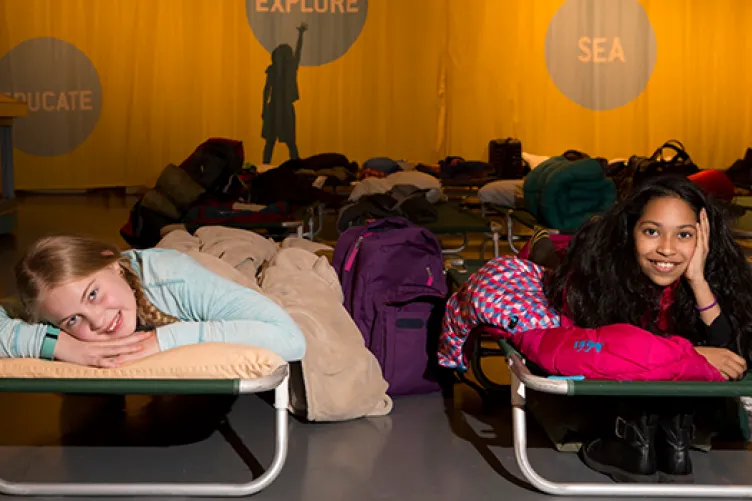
x=280, y=94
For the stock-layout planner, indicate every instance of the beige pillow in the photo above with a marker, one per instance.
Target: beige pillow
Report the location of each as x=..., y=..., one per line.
x=197, y=361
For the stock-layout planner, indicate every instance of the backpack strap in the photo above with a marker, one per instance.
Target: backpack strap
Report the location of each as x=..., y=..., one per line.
x=388, y=223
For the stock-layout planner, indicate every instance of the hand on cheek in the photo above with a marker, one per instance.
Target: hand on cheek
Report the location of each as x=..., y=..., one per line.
x=695, y=271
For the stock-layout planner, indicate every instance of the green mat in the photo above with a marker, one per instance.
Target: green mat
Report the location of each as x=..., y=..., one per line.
x=458, y=274
x=455, y=219
x=744, y=223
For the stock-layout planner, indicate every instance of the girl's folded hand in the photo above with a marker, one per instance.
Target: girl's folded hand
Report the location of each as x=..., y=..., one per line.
x=728, y=363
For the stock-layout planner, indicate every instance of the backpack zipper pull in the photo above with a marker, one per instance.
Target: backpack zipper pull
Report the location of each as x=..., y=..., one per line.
x=430, y=276
x=351, y=259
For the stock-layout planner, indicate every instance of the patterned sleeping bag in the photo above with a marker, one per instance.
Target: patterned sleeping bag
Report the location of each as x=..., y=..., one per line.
x=506, y=293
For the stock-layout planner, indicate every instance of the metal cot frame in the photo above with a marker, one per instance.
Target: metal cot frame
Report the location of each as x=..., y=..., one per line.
x=744, y=204
x=277, y=381
x=522, y=380
x=511, y=216
x=457, y=272
x=455, y=220
x=308, y=223
x=525, y=218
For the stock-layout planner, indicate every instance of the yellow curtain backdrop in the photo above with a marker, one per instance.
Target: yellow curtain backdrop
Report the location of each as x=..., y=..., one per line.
x=175, y=72
x=699, y=92
x=425, y=79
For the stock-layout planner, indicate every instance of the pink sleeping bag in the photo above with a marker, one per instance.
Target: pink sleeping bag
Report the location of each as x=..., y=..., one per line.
x=507, y=293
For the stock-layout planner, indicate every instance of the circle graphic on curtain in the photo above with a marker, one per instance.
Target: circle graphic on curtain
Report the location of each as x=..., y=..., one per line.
x=62, y=89
x=601, y=54
x=330, y=26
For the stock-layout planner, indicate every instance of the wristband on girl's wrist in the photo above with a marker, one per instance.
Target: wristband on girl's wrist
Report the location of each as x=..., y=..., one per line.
x=49, y=342
x=706, y=308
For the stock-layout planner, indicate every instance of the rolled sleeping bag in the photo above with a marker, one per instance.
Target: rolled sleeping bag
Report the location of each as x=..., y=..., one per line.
x=159, y=203
x=179, y=187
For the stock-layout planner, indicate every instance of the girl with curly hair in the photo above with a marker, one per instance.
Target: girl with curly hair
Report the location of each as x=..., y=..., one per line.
x=663, y=259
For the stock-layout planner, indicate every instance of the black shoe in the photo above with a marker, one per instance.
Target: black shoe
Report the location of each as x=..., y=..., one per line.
x=542, y=250
x=628, y=455
x=673, y=441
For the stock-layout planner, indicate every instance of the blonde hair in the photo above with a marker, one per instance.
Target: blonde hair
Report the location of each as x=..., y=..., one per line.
x=56, y=260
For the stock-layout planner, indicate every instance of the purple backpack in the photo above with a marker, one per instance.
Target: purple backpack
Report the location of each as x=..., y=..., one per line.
x=392, y=275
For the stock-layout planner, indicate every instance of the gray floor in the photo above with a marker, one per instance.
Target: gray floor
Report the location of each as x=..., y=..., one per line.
x=429, y=448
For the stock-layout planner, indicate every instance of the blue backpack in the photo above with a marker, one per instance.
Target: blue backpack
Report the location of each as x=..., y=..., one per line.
x=392, y=276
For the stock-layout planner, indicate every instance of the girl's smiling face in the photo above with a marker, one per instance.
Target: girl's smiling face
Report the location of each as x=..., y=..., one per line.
x=95, y=308
x=665, y=239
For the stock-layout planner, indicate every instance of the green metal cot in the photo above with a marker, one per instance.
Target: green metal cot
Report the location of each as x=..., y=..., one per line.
x=452, y=219
x=277, y=381
x=741, y=228
x=516, y=215
x=455, y=220
x=306, y=223
x=523, y=379
x=457, y=273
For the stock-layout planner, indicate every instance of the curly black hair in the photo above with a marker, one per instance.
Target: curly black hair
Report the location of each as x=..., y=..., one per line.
x=599, y=281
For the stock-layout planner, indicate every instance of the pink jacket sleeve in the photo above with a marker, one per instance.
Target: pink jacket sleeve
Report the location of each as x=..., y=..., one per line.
x=614, y=352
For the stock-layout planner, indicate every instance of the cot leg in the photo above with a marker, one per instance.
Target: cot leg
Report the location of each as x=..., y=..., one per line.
x=176, y=489
x=458, y=249
x=300, y=231
x=320, y=209
x=510, y=233
x=519, y=426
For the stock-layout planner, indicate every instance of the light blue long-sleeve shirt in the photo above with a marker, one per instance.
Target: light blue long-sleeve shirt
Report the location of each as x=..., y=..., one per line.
x=210, y=309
